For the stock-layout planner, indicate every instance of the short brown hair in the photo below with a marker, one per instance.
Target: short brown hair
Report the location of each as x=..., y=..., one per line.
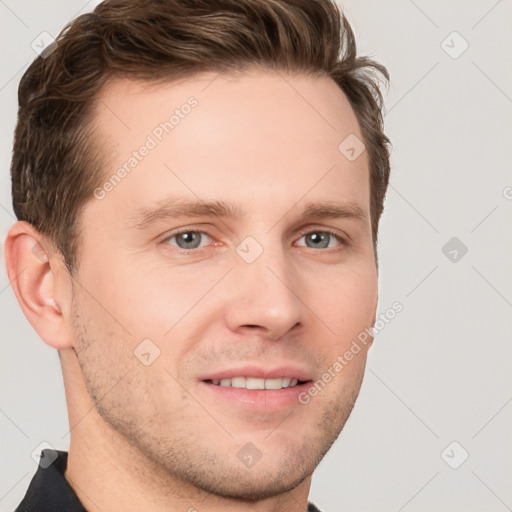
x=56, y=164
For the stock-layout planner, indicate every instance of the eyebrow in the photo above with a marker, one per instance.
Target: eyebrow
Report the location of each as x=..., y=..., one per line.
x=174, y=208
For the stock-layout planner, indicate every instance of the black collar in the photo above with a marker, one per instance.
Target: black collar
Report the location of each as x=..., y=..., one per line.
x=49, y=491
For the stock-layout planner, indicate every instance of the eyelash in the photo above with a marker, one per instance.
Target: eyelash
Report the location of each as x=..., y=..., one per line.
x=340, y=239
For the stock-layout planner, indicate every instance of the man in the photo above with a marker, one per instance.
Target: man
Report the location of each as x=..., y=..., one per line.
x=198, y=186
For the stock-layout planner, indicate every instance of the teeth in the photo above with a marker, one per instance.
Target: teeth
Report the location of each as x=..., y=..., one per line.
x=252, y=383
x=273, y=383
x=238, y=382
x=256, y=383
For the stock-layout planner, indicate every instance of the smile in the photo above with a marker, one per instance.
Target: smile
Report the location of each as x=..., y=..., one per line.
x=255, y=382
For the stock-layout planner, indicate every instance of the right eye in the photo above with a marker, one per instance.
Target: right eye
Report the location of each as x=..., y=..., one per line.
x=187, y=239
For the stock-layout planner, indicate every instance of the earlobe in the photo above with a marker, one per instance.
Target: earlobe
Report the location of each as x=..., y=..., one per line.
x=33, y=270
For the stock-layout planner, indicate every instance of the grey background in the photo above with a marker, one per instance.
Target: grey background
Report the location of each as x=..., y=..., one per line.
x=440, y=371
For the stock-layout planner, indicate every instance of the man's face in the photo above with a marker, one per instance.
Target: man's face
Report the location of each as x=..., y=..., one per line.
x=239, y=295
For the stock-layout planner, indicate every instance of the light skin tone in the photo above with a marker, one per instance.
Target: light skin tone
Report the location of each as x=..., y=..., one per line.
x=155, y=437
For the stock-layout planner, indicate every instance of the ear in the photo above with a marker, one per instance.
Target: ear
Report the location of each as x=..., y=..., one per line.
x=41, y=283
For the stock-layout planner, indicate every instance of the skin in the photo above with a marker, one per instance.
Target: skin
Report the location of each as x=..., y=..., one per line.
x=150, y=437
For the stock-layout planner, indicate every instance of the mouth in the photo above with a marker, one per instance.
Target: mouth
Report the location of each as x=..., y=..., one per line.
x=255, y=394
x=256, y=383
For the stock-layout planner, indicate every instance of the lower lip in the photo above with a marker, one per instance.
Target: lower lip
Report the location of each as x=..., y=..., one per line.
x=259, y=400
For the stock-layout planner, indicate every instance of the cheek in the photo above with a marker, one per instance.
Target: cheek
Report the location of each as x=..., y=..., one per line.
x=159, y=303
x=146, y=303
x=347, y=302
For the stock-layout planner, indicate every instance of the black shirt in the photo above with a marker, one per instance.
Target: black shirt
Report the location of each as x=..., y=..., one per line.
x=49, y=491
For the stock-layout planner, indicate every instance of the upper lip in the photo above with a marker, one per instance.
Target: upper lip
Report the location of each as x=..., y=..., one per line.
x=291, y=372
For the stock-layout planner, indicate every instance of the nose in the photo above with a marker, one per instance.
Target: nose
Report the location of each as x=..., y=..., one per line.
x=267, y=296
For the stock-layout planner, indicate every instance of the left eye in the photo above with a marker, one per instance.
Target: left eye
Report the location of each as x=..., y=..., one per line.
x=188, y=239
x=321, y=239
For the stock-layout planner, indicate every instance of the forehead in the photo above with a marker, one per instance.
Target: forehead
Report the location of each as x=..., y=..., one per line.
x=256, y=98
x=253, y=136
